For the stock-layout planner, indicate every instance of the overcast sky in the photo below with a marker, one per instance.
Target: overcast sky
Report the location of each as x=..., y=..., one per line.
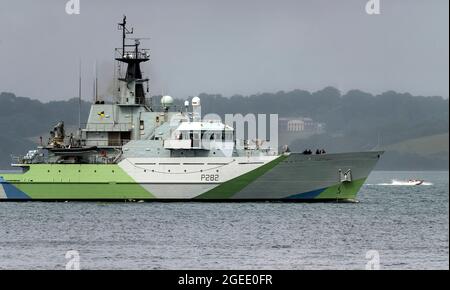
x=229, y=46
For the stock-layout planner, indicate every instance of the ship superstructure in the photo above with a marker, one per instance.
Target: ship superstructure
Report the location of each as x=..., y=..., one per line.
x=132, y=149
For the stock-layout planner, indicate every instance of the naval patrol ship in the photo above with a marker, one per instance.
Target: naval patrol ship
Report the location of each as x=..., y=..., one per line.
x=134, y=150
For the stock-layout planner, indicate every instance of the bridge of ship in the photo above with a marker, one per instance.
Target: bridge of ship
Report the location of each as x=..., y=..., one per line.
x=200, y=135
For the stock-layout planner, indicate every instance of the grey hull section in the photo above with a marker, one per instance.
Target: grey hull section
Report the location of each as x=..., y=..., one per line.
x=302, y=174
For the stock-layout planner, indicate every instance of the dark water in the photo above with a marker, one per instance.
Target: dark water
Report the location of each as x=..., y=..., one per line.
x=407, y=225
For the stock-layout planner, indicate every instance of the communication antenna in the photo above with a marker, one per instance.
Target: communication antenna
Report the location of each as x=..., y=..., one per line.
x=96, y=81
x=379, y=141
x=95, y=89
x=125, y=31
x=79, y=98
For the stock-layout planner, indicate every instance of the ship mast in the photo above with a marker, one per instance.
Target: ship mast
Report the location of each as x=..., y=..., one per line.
x=131, y=86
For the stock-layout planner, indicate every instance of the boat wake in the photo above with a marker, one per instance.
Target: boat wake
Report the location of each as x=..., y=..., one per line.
x=396, y=182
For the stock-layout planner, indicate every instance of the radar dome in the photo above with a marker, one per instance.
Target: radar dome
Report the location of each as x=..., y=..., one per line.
x=195, y=101
x=166, y=101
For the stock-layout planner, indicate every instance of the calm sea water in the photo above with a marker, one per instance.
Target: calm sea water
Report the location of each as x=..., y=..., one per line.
x=407, y=225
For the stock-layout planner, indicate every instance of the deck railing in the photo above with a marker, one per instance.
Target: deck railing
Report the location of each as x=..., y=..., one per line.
x=108, y=127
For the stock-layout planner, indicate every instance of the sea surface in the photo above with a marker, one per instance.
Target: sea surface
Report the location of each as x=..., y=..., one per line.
x=395, y=226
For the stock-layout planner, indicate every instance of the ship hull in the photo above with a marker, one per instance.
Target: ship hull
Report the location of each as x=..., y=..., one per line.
x=292, y=177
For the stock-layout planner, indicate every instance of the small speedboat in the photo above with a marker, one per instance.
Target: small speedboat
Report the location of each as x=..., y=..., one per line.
x=415, y=181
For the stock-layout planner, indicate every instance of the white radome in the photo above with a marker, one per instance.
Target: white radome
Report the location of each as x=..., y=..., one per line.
x=195, y=101
x=166, y=101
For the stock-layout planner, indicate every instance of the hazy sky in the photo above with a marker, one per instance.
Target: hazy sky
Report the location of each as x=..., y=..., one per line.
x=229, y=46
